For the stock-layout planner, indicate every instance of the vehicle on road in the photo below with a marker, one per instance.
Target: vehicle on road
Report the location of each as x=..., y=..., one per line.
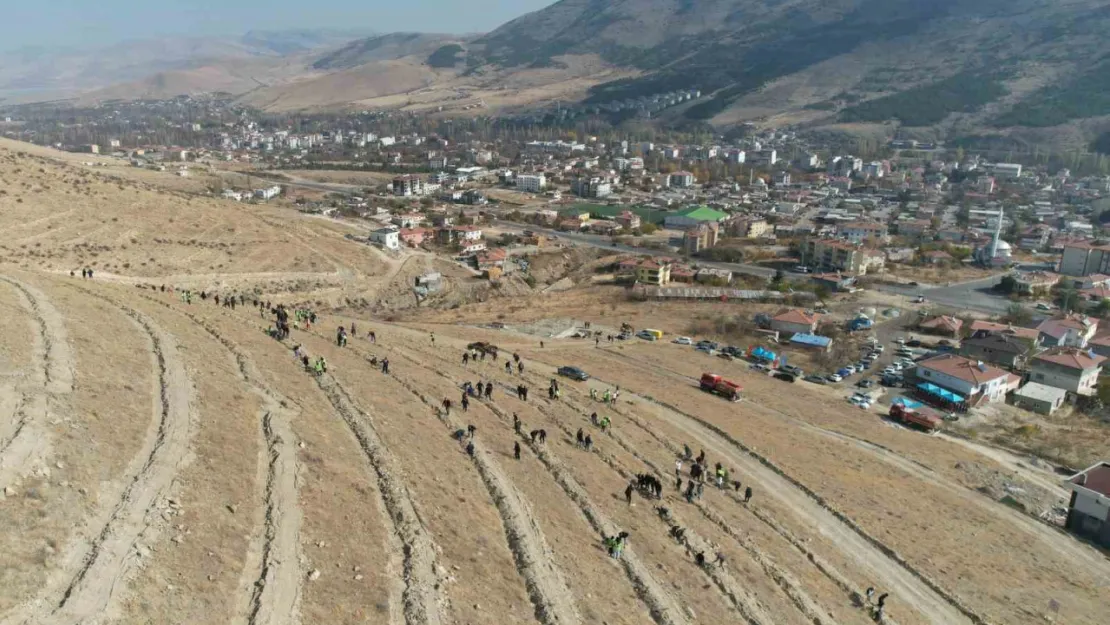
x=785, y=377
x=683, y=340
x=1043, y=306
x=713, y=383
x=574, y=373
x=792, y=370
x=920, y=417
x=801, y=269
x=647, y=336
x=920, y=299
x=815, y=379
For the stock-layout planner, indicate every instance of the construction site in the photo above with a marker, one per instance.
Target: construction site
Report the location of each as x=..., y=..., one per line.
x=169, y=455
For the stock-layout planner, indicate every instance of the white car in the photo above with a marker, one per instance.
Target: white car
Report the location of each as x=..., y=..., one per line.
x=851, y=369
x=683, y=340
x=834, y=378
x=879, y=348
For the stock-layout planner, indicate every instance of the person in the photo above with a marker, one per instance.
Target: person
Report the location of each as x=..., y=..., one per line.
x=489, y=390
x=628, y=494
x=525, y=389
x=466, y=402
x=719, y=561
x=373, y=337
x=433, y=338
x=593, y=394
x=610, y=543
x=589, y=442
x=470, y=449
x=597, y=342
x=520, y=392
x=593, y=418
x=543, y=436
x=678, y=467
x=508, y=368
x=678, y=482
x=541, y=342
x=447, y=406
x=606, y=397
x=319, y=367
x=516, y=423
x=699, y=559
x=385, y=366
x=747, y=494
x=532, y=435
x=882, y=600
x=304, y=359
x=520, y=368
x=605, y=423
x=516, y=450
x=686, y=452
x=736, y=485
x=466, y=358
x=73, y=275
x=701, y=489
x=353, y=329
x=869, y=594
x=579, y=438
x=689, y=492
x=471, y=430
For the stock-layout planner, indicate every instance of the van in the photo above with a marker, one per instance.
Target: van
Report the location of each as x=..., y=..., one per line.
x=658, y=334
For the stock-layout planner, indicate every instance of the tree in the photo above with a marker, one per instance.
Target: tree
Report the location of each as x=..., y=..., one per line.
x=648, y=228
x=1102, y=309
x=1007, y=284
x=778, y=277
x=1018, y=314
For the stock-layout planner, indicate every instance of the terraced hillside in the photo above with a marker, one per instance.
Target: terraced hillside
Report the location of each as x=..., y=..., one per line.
x=165, y=460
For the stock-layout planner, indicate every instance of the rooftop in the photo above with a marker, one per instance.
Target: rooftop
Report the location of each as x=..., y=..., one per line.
x=963, y=368
x=1041, y=392
x=943, y=322
x=795, y=315
x=1096, y=478
x=1002, y=328
x=1059, y=326
x=1072, y=358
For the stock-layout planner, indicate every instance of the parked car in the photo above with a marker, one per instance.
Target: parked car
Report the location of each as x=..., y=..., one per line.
x=707, y=349
x=623, y=336
x=835, y=378
x=792, y=370
x=880, y=349
x=815, y=379
x=683, y=340
x=801, y=269
x=868, y=383
x=920, y=299
x=574, y=373
x=1043, y=306
x=785, y=377
x=758, y=366
x=913, y=343
x=647, y=336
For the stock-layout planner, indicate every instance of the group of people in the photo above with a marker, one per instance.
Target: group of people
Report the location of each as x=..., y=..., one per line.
x=609, y=397
x=698, y=469
x=647, y=484
x=585, y=441
x=877, y=608
x=86, y=273
x=615, y=544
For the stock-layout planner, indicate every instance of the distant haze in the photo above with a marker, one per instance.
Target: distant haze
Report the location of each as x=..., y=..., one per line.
x=73, y=24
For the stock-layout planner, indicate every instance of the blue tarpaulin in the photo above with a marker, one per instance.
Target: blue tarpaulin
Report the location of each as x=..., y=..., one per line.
x=763, y=354
x=907, y=402
x=811, y=340
x=944, y=394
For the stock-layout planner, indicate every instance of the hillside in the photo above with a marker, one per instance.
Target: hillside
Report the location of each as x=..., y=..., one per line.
x=165, y=460
x=382, y=48
x=840, y=61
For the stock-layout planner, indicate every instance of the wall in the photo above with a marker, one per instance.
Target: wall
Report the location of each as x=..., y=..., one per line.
x=1061, y=377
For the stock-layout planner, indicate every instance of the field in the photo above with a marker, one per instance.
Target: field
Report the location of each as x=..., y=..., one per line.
x=164, y=460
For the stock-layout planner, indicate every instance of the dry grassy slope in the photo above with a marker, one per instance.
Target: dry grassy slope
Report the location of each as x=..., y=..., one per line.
x=343, y=499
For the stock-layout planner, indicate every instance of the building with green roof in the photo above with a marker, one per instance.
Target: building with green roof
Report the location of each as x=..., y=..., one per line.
x=693, y=217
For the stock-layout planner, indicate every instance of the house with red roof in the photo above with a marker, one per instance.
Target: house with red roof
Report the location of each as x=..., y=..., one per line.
x=1070, y=368
x=1089, y=508
x=942, y=325
x=975, y=381
x=1070, y=330
x=795, y=321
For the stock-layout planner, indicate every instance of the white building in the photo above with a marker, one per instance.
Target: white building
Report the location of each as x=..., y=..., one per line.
x=1089, y=509
x=969, y=378
x=389, y=238
x=1007, y=170
x=267, y=193
x=682, y=179
x=531, y=183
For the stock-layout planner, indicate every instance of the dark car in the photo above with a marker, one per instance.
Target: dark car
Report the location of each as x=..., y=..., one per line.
x=574, y=373
x=785, y=377
x=815, y=379
x=913, y=343
x=792, y=370
x=865, y=383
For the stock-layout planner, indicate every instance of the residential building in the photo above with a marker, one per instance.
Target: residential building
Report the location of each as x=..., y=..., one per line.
x=412, y=237
x=1040, y=398
x=707, y=274
x=834, y=281
x=1035, y=237
x=408, y=185
x=936, y=257
x=531, y=183
x=794, y=321
x=1067, y=331
x=1007, y=170
x=1069, y=368
x=693, y=217
x=682, y=179
x=831, y=254
x=1082, y=258
x=1034, y=282
x=628, y=219
x=975, y=381
x=942, y=325
x=702, y=237
x=914, y=228
x=653, y=272
x=389, y=238
x=1005, y=350
x=593, y=187
x=268, y=193
x=407, y=220
x=1089, y=507
x=859, y=231
x=488, y=259
x=981, y=328
x=747, y=228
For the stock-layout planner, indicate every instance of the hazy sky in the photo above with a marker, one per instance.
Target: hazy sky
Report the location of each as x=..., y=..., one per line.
x=51, y=23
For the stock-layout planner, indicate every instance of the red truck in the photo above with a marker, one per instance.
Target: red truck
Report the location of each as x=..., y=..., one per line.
x=714, y=383
x=921, y=417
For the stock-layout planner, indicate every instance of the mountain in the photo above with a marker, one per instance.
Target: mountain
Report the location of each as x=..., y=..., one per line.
x=987, y=63
x=382, y=48
x=70, y=72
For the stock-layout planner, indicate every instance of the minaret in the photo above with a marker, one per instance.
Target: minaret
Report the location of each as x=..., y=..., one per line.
x=997, y=236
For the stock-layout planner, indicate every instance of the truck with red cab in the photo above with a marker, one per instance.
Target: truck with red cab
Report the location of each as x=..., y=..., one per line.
x=921, y=417
x=714, y=383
